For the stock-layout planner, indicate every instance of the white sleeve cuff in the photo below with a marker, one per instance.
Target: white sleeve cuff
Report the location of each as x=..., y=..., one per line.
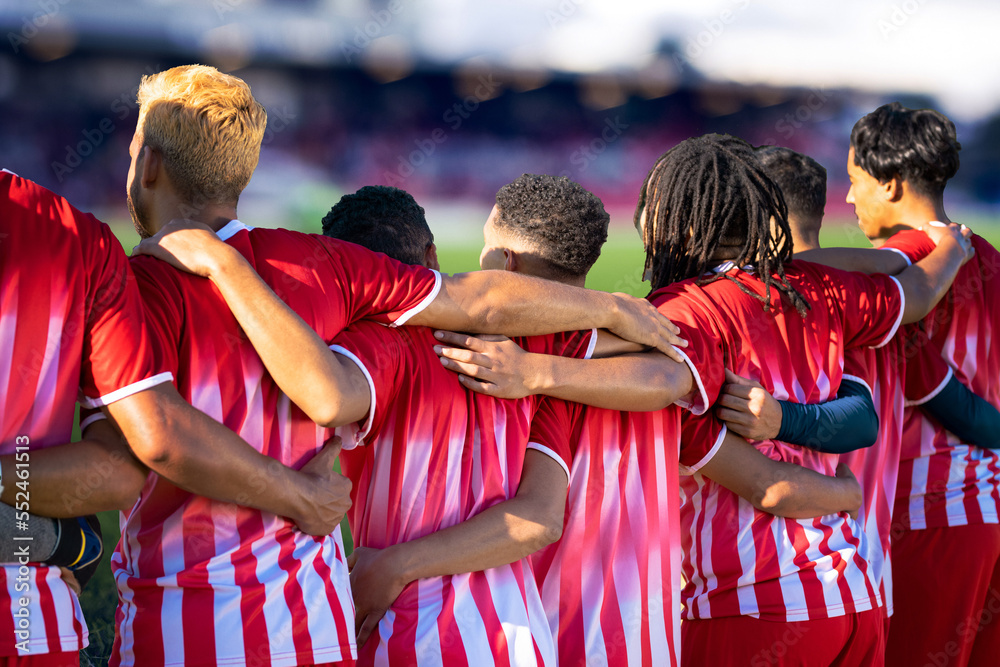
x=694, y=408
x=550, y=453
x=96, y=417
x=899, y=318
x=593, y=344
x=126, y=391
x=902, y=254
x=855, y=378
x=358, y=436
x=937, y=390
x=405, y=317
x=690, y=470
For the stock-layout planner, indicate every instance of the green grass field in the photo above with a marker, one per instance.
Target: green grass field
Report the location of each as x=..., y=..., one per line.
x=618, y=270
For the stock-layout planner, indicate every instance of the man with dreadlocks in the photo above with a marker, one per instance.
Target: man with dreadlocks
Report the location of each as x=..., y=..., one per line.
x=706, y=213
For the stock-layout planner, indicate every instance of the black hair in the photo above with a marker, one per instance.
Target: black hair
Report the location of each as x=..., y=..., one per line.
x=710, y=192
x=383, y=219
x=919, y=146
x=567, y=223
x=802, y=181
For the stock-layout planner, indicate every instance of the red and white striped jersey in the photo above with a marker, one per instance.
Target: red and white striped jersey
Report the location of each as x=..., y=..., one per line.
x=68, y=309
x=202, y=582
x=943, y=482
x=737, y=560
x=611, y=585
x=886, y=371
x=436, y=455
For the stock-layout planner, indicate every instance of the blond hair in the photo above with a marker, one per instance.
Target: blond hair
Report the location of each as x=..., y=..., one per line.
x=207, y=126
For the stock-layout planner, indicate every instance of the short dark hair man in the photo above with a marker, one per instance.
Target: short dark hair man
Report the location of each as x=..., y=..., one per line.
x=946, y=534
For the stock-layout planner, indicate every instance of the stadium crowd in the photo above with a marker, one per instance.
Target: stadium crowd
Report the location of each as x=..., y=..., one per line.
x=784, y=455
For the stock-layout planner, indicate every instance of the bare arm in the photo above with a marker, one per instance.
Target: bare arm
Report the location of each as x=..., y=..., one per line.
x=779, y=488
x=501, y=302
x=96, y=474
x=927, y=281
x=865, y=260
x=202, y=456
x=504, y=533
x=636, y=382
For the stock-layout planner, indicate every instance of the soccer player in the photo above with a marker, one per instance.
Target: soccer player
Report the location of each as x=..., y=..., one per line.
x=196, y=144
x=946, y=534
x=71, y=320
x=904, y=365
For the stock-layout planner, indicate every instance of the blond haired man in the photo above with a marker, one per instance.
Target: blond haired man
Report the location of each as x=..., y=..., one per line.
x=208, y=583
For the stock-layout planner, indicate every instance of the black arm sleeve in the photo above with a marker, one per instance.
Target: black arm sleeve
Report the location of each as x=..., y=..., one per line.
x=840, y=425
x=966, y=414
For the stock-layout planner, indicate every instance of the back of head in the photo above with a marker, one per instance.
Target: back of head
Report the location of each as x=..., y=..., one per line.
x=802, y=181
x=706, y=198
x=564, y=222
x=919, y=146
x=383, y=219
x=207, y=126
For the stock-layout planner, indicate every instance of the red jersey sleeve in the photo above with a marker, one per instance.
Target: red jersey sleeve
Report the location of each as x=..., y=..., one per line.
x=379, y=352
x=161, y=299
x=913, y=244
x=332, y=283
x=704, y=354
x=574, y=344
x=872, y=306
x=701, y=438
x=118, y=358
x=552, y=430
x=857, y=367
x=926, y=372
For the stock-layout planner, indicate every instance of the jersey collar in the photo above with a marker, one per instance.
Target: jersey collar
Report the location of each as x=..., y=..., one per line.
x=728, y=266
x=231, y=228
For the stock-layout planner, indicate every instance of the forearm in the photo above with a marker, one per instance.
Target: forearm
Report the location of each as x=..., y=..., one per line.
x=634, y=382
x=512, y=304
x=927, y=281
x=200, y=455
x=84, y=477
x=502, y=534
x=865, y=260
x=965, y=414
x=798, y=493
x=776, y=487
x=843, y=424
x=299, y=361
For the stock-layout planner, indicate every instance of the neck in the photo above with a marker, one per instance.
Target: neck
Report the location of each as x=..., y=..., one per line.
x=216, y=216
x=916, y=212
x=804, y=243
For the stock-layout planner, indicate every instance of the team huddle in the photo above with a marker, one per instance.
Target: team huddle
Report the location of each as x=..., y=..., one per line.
x=774, y=459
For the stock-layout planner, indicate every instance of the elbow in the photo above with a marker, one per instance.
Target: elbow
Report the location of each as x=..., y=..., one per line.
x=774, y=499
x=552, y=529
x=127, y=488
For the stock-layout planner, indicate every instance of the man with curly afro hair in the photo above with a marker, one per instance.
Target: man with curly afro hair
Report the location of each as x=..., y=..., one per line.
x=547, y=226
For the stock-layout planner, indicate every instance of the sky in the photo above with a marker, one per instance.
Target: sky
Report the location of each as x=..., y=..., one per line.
x=949, y=49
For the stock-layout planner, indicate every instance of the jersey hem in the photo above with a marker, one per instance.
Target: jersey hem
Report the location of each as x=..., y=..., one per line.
x=934, y=392
x=407, y=315
x=833, y=611
x=311, y=657
x=126, y=391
